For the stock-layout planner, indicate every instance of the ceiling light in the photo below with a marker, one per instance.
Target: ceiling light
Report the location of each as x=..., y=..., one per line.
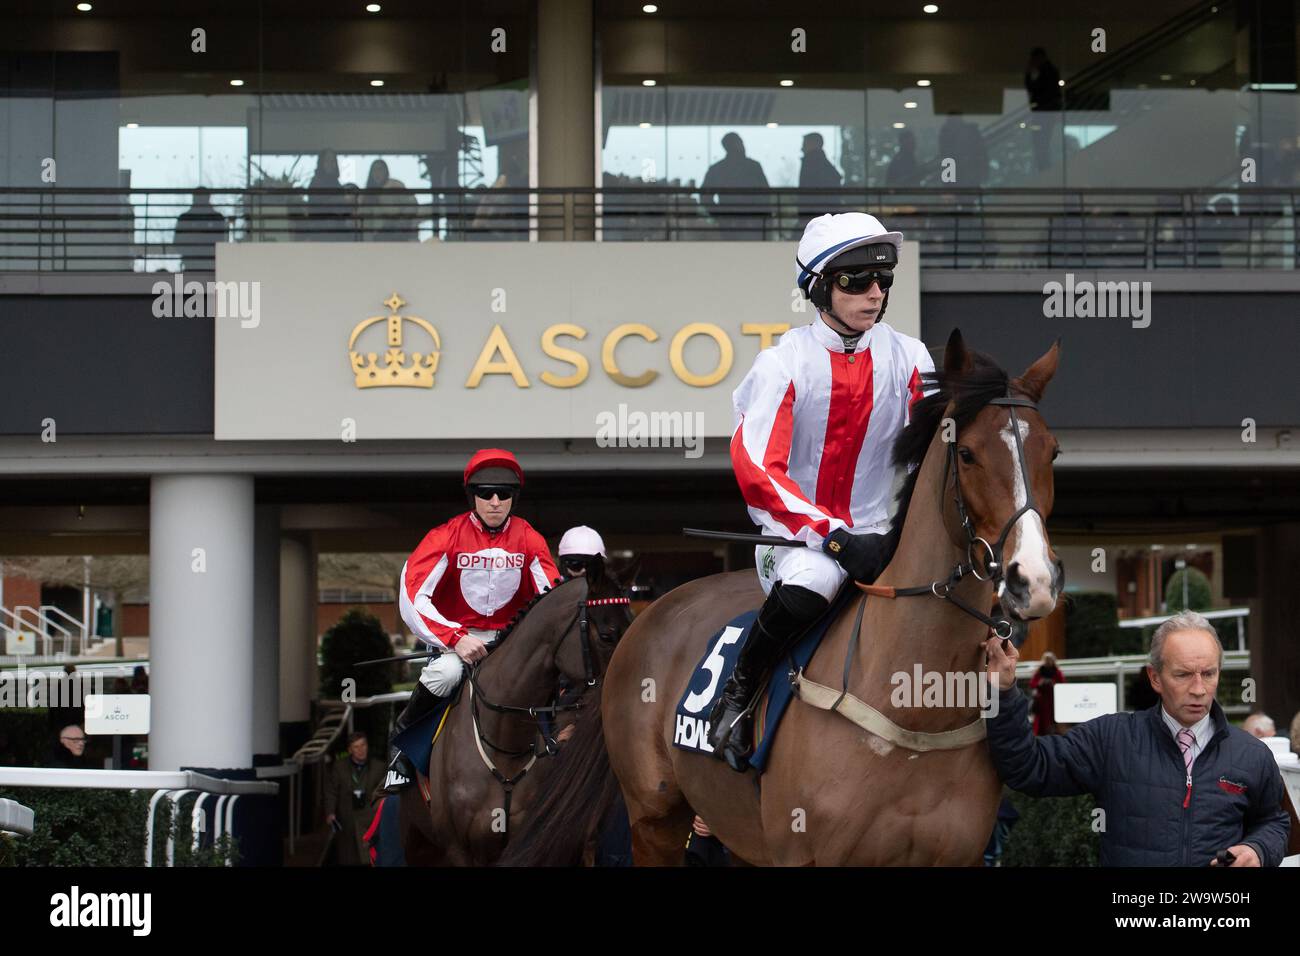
x=909, y=105
x=787, y=82
x=922, y=82
x=771, y=126
x=644, y=125
x=930, y=8
x=376, y=82
x=647, y=82
x=900, y=126
x=373, y=8
x=84, y=7
x=132, y=125
x=649, y=8
x=236, y=82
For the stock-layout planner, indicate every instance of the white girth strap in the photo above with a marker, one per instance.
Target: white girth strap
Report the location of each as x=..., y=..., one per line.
x=872, y=720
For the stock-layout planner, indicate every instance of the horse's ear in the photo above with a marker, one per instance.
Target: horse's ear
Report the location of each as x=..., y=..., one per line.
x=1034, y=381
x=956, y=360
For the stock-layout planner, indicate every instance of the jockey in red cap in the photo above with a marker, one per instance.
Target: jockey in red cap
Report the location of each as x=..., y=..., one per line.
x=465, y=581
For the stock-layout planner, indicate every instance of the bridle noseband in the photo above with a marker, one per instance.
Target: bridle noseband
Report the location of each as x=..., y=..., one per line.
x=993, y=567
x=548, y=746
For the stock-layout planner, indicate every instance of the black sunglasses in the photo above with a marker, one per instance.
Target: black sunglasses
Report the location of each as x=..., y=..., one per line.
x=504, y=492
x=575, y=564
x=856, y=283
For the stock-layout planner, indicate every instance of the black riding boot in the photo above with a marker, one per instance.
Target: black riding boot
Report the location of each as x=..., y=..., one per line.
x=400, y=772
x=784, y=617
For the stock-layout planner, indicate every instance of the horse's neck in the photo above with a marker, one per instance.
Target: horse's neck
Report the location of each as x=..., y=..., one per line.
x=518, y=673
x=900, y=633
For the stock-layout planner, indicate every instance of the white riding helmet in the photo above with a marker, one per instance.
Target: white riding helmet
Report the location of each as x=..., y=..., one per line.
x=826, y=237
x=582, y=540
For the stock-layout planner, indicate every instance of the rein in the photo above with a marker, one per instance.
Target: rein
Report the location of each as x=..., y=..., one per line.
x=993, y=566
x=548, y=746
x=859, y=711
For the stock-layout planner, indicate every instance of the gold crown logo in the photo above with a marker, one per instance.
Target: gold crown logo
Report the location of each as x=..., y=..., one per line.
x=395, y=372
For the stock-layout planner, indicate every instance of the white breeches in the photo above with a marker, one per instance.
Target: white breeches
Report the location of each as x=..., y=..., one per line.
x=800, y=566
x=441, y=675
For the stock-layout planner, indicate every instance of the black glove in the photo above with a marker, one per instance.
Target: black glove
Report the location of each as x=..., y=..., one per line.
x=863, y=556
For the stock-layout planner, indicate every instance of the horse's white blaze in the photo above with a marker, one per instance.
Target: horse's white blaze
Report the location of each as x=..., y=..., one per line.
x=1027, y=542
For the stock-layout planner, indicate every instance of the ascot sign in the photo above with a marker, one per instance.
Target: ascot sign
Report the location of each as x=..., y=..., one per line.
x=493, y=341
x=498, y=356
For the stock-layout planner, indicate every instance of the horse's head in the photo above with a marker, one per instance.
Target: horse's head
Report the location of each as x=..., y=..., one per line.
x=600, y=614
x=998, y=483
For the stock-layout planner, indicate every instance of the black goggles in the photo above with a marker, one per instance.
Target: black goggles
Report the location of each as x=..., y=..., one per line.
x=856, y=283
x=486, y=492
x=576, y=565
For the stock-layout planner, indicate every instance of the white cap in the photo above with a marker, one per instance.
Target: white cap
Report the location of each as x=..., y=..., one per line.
x=581, y=540
x=827, y=236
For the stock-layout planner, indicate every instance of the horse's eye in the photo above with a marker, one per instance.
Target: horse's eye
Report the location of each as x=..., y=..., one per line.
x=1056, y=453
x=965, y=455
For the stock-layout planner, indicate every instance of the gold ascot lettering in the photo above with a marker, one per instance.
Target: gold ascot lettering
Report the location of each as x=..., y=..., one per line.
x=576, y=359
x=725, y=354
x=611, y=365
x=487, y=364
x=766, y=332
x=498, y=356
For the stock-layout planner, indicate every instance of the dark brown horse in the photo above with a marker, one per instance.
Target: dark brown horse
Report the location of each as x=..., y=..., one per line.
x=492, y=742
x=917, y=788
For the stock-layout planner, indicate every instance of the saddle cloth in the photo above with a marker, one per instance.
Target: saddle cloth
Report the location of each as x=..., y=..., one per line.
x=691, y=724
x=417, y=740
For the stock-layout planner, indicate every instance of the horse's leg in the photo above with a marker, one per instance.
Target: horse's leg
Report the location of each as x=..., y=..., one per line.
x=660, y=839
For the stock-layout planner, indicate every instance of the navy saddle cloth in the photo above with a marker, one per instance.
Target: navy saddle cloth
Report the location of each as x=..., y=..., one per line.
x=691, y=726
x=416, y=741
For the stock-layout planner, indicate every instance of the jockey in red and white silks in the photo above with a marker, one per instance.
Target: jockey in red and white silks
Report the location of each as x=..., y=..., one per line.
x=815, y=426
x=468, y=579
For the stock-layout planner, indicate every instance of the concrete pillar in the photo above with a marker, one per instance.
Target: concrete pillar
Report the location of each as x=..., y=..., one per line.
x=566, y=118
x=201, y=621
x=266, y=633
x=298, y=598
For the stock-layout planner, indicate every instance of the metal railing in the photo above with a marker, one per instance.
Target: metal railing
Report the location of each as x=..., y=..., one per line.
x=1121, y=666
x=167, y=785
x=1239, y=614
x=115, y=230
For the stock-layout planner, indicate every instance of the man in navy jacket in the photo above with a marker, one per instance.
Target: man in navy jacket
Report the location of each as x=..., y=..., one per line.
x=1177, y=783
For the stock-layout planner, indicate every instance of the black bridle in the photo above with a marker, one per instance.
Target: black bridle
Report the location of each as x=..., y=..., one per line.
x=992, y=566
x=548, y=746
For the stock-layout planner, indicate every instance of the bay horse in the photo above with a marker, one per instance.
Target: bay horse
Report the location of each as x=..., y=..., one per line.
x=917, y=788
x=492, y=753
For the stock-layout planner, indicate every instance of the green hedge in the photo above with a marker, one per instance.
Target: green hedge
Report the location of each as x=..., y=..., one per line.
x=359, y=636
x=103, y=828
x=1198, y=591
x=1052, y=831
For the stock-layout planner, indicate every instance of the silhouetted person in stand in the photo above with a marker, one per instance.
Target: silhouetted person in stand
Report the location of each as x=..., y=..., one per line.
x=741, y=216
x=816, y=172
x=1043, y=84
x=198, y=229
x=903, y=168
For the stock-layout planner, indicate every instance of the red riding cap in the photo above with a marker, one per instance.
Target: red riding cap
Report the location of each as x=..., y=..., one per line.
x=493, y=458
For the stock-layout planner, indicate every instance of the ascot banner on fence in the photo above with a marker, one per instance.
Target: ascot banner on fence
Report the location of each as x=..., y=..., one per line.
x=499, y=340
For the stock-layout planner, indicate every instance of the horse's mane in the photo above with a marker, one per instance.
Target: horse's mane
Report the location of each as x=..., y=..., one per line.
x=594, y=590
x=969, y=392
